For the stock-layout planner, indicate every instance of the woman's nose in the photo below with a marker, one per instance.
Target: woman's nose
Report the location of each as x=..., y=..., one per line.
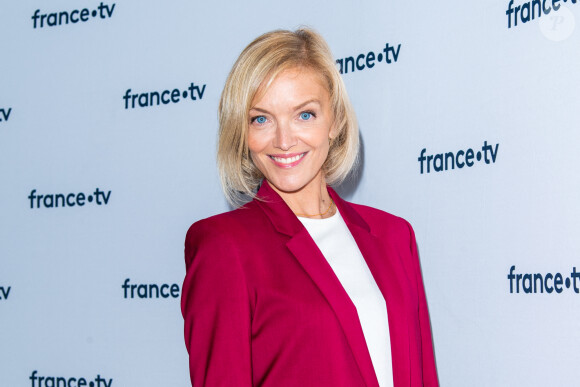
x=284, y=139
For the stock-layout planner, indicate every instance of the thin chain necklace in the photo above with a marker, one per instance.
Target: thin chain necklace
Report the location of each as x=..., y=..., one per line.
x=322, y=214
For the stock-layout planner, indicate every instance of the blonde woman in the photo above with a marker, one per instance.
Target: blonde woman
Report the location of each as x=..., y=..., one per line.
x=298, y=287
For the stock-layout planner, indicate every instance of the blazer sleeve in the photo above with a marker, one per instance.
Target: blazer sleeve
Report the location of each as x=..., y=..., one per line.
x=216, y=310
x=428, y=356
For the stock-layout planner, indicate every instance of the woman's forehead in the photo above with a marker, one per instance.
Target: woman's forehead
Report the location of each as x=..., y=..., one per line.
x=289, y=74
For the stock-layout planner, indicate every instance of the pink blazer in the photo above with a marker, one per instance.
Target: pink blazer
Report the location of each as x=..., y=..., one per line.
x=262, y=306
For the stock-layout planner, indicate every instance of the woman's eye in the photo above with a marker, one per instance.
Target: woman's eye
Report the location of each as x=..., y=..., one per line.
x=260, y=119
x=305, y=115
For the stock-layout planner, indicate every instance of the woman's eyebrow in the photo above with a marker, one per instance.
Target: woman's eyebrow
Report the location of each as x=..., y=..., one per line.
x=259, y=109
x=298, y=107
x=306, y=103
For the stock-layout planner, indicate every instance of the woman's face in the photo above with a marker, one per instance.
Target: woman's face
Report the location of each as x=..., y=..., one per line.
x=289, y=130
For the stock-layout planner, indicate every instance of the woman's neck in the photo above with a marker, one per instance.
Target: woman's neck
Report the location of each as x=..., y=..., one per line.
x=312, y=201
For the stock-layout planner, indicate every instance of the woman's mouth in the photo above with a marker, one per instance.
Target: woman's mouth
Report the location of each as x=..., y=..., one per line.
x=289, y=160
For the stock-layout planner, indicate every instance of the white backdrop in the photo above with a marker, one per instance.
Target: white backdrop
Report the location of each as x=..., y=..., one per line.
x=461, y=79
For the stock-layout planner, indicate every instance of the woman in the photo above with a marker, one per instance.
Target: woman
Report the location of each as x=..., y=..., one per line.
x=298, y=287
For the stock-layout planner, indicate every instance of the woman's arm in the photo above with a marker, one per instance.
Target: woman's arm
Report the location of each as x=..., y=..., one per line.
x=216, y=309
x=429, y=367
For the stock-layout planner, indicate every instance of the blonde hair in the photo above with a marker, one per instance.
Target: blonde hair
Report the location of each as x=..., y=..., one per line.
x=258, y=65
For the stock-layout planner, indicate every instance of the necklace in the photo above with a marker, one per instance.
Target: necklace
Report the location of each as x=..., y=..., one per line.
x=322, y=214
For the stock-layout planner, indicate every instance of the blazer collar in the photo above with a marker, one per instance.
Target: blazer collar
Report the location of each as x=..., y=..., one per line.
x=281, y=216
x=287, y=223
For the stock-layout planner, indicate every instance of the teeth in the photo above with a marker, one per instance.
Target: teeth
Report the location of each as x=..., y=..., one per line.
x=287, y=160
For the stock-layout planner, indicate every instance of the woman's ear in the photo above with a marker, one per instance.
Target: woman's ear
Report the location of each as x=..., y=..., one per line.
x=333, y=133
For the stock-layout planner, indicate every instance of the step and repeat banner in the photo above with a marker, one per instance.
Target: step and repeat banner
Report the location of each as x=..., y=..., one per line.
x=470, y=123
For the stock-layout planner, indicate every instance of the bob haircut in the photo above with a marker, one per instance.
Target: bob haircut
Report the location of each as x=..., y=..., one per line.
x=255, y=69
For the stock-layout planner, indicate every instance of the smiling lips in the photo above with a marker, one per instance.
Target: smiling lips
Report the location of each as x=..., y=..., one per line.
x=289, y=160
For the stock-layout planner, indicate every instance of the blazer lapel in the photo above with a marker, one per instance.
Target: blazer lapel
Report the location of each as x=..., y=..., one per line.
x=382, y=261
x=309, y=256
x=314, y=263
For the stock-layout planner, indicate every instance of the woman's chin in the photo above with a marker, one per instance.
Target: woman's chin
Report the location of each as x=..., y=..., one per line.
x=290, y=185
x=286, y=187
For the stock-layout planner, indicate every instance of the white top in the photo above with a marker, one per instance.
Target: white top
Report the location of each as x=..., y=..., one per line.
x=338, y=246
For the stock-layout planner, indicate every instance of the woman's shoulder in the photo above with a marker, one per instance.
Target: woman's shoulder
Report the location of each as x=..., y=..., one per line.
x=382, y=222
x=233, y=222
x=218, y=239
